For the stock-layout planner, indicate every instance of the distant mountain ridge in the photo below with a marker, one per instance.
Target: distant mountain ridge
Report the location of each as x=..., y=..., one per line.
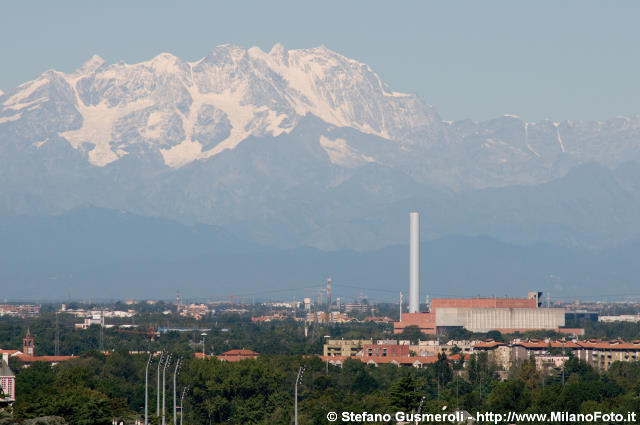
x=306, y=147
x=105, y=254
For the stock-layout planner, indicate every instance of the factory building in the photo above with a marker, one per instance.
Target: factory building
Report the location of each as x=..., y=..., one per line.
x=506, y=315
x=506, y=320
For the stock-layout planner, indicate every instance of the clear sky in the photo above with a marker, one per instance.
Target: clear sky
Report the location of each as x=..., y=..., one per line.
x=470, y=59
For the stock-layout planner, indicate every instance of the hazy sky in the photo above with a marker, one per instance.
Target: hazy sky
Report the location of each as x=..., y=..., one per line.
x=470, y=59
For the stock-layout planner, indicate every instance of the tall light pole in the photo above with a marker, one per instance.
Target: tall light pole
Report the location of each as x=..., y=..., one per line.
x=146, y=390
x=203, y=334
x=175, y=373
x=185, y=390
x=326, y=366
x=158, y=389
x=298, y=382
x=164, y=370
x=563, y=363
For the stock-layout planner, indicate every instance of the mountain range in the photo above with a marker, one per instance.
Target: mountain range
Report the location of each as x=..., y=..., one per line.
x=307, y=148
x=107, y=254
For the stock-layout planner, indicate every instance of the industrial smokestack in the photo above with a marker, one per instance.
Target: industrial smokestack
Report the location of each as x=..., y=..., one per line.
x=414, y=262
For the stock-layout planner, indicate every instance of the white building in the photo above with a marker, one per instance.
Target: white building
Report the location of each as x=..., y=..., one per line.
x=631, y=318
x=7, y=379
x=507, y=319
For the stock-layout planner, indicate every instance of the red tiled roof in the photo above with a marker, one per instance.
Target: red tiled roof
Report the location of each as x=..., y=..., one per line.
x=241, y=352
x=542, y=344
x=456, y=357
x=237, y=355
x=49, y=359
x=618, y=345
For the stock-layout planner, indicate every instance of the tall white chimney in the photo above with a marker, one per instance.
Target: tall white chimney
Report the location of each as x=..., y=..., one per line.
x=414, y=262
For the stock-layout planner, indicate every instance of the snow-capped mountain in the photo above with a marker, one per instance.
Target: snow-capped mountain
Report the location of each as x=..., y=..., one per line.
x=301, y=147
x=190, y=111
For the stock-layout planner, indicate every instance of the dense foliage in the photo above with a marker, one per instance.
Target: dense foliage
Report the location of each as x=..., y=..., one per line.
x=96, y=388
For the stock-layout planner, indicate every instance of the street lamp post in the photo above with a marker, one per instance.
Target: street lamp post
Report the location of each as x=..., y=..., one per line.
x=158, y=389
x=563, y=363
x=326, y=366
x=146, y=390
x=185, y=390
x=175, y=373
x=298, y=382
x=164, y=410
x=419, y=408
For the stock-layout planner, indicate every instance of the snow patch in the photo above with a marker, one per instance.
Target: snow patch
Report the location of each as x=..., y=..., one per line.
x=25, y=105
x=243, y=118
x=156, y=125
x=102, y=155
x=25, y=90
x=40, y=143
x=558, y=137
x=97, y=124
x=10, y=118
x=340, y=153
x=181, y=154
x=526, y=140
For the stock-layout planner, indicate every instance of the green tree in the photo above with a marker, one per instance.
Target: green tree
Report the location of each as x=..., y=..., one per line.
x=510, y=395
x=495, y=335
x=46, y=420
x=412, y=333
x=443, y=369
x=364, y=383
x=403, y=394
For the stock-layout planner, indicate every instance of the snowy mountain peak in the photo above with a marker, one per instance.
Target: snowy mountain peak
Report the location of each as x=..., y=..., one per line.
x=278, y=51
x=91, y=65
x=189, y=111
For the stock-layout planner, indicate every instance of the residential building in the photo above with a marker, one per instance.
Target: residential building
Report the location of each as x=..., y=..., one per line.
x=197, y=311
x=19, y=310
x=344, y=347
x=546, y=363
x=599, y=354
x=7, y=379
x=385, y=350
x=631, y=318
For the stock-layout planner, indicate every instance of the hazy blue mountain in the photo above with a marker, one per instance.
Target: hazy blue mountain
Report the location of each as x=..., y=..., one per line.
x=110, y=254
x=307, y=148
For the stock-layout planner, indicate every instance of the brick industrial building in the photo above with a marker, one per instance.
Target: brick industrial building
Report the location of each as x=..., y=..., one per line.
x=506, y=315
